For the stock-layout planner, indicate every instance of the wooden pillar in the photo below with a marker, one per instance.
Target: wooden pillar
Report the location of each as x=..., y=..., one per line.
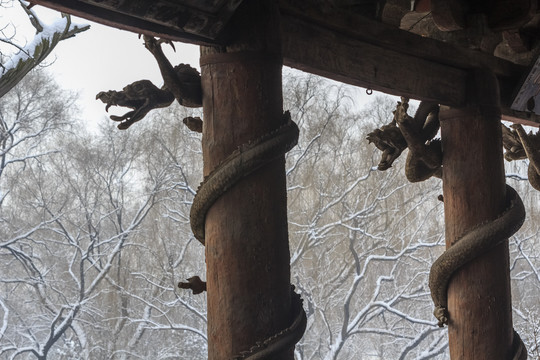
x=479, y=298
x=247, y=253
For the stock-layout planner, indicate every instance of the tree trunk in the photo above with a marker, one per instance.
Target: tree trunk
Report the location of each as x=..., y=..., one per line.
x=479, y=298
x=247, y=252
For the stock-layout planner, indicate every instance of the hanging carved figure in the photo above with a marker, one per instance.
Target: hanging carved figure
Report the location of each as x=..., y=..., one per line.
x=425, y=160
x=416, y=133
x=390, y=141
x=520, y=145
x=181, y=82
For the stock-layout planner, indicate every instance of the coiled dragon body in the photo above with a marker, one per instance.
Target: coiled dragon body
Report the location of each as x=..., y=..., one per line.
x=247, y=159
x=425, y=160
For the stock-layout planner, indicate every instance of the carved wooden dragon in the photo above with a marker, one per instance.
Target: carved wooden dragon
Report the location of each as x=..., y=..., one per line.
x=283, y=340
x=183, y=83
x=520, y=145
x=390, y=141
x=425, y=160
x=476, y=242
x=242, y=162
x=512, y=145
x=245, y=160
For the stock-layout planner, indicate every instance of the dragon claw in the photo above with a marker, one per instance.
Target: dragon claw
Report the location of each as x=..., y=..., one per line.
x=441, y=314
x=151, y=43
x=169, y=42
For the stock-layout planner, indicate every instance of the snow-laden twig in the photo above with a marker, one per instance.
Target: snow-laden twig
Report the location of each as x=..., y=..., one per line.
x=47, y=37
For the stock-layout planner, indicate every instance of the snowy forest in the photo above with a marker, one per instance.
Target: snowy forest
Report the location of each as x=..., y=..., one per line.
x=95, y=234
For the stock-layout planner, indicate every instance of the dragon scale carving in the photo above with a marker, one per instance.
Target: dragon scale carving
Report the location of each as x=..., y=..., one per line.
x=416, y=133
x=425, y=160
x=242, y=162
x=283, y=340
x=474, y=243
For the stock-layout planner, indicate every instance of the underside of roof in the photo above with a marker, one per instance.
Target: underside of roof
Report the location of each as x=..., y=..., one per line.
x=422, y=49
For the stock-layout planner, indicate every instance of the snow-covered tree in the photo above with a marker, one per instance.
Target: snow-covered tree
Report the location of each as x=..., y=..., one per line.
x=89, y=265
x=95, y=234
x=18, y=55
x=361, y=240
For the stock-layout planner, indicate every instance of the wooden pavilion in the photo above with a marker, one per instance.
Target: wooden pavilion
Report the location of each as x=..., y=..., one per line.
x=477, y=59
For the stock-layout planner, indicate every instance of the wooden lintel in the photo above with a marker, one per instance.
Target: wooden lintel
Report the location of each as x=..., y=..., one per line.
x=520, y=117
x=364, y=30
x=340, y=57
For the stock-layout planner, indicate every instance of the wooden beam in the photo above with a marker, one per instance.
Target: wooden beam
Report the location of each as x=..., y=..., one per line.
x=343, y=58
x=370, y=31
x=363, y=52
x=520, y=117
x=182, y=21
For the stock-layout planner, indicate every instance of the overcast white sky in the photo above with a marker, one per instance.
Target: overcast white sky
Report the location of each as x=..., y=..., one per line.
x=103, y=58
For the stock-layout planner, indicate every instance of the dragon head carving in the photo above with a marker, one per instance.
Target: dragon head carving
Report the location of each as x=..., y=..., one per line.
x=181, y=82
x=141, y=96
x=389, y=140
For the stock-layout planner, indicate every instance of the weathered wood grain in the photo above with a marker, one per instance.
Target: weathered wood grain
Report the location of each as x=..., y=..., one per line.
x=247, y=249
x=479, y=298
